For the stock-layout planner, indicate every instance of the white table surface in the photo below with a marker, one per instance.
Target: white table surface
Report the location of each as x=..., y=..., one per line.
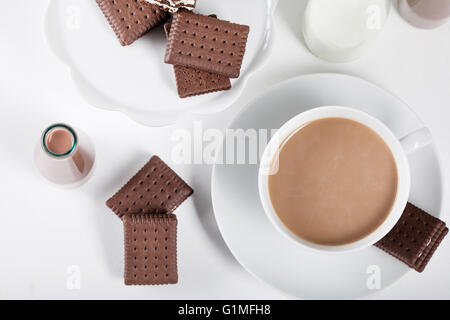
x=44, y=230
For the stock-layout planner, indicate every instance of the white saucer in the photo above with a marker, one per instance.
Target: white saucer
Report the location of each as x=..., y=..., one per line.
x=261, y=249
x=135, y=79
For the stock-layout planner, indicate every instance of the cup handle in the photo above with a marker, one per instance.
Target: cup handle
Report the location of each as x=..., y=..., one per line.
x=416, y=140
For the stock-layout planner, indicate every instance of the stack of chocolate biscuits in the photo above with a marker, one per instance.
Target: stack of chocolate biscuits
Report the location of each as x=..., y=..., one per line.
x=204, y=50
x=146, y=205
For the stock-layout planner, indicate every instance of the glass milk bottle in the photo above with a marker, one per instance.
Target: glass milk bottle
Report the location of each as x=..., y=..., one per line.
x=425, y=14
x=64, y=157
x=343, y=30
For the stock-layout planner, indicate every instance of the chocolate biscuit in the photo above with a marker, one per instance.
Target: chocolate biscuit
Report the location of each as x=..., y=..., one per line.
x=206, y=43
x=193, y=82
x=131, y=19
x=414, y=238
x=150, y=249
x=156, y=188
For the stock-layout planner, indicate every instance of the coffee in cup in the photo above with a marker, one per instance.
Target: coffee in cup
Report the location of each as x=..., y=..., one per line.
x=335, y=181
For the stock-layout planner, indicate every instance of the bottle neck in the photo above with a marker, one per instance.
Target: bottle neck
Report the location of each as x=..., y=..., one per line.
x=59, y=140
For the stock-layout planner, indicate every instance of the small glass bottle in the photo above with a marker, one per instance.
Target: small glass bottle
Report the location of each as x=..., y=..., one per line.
x=64, y=156
x=426, y=14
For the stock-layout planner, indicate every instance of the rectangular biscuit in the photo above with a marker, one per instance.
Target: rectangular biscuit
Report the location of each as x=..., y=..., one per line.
x=156, y=188
x=150, y=249
x=206, y=43
x=193, y=82
x=131, y=19
x=414, y=238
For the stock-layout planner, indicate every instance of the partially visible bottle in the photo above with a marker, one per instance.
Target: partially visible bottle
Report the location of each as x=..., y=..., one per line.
x=426, y=14
x=343, y=30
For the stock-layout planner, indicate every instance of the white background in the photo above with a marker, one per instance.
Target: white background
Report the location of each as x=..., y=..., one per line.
x=44, y=230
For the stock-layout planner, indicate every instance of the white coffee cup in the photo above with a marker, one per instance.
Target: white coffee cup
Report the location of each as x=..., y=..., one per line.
x=399, y=149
